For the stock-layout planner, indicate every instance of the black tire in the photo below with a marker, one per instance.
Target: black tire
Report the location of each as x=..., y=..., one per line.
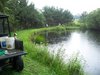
x=17, y=63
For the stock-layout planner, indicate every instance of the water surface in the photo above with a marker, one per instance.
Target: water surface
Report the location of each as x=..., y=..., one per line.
x=86, y=43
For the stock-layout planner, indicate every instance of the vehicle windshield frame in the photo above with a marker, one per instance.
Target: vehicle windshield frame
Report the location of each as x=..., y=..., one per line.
x=5, y=18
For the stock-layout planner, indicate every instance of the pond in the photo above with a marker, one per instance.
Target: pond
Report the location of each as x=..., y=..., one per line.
x=86, y=43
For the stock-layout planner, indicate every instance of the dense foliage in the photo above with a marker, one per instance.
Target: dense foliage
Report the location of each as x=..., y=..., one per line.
x=24, y=15
x=94, y=19
x=91, y=20
x=83, y=20
x=2, y=5
x=55, y=16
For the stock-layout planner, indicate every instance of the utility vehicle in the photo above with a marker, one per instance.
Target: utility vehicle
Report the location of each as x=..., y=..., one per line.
x=12, y=57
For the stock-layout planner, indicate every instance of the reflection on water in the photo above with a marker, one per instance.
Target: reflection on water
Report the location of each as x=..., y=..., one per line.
x=86, y=43
x=56, y=37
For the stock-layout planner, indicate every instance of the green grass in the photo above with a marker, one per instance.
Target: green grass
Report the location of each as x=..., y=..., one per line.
x=39, y=61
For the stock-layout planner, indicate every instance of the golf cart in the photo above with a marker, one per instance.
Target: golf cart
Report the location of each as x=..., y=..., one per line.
x=10, y=57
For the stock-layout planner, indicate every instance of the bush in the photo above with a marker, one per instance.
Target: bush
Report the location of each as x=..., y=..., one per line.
x=39, y=39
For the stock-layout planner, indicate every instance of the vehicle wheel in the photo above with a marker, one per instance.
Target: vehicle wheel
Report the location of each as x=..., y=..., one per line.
x=17, y=63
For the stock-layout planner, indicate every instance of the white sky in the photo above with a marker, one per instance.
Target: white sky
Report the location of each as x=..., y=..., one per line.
x=74, y=6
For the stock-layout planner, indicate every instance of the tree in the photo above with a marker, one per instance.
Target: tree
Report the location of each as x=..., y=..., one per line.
x=23, y=15
x=54, y=16
x=93, y=19
x=2, y=5
x=67, y=16
x=83, y=19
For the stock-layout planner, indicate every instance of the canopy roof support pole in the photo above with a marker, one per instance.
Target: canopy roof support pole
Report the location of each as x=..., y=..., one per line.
x=3, y=25
x=8, y=27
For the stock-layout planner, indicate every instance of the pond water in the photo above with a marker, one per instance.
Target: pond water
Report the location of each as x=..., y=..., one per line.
x=86, y=43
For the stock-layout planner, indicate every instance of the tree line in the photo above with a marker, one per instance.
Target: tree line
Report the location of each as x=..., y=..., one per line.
x=23, y=15
x=91, y=20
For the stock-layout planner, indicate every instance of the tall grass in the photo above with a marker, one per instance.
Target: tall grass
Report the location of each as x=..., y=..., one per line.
x=39, y=61
x=55, y=62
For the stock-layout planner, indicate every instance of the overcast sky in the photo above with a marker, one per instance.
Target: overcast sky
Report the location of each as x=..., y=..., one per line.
x=74, y=6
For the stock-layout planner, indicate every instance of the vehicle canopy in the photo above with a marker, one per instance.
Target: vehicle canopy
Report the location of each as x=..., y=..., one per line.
x=4, y=25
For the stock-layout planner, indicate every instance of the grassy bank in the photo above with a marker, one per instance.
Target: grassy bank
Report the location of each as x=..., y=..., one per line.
x=39, y=61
